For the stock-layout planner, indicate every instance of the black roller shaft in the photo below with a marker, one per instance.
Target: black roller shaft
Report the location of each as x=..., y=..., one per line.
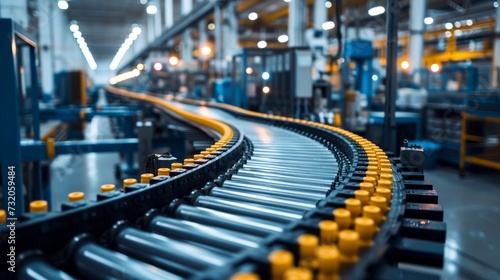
x=248, y=225
x=40, y=269
x=264, y=199
x=269, y=213
x=163, y=251
x=217, y=237
x=95, y=262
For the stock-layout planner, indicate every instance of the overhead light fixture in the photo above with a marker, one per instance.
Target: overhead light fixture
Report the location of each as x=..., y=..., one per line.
x=328, y=25
x=265, y=76
x=136, y=30
x=77, y=34
x=253, y=16
x=428, y=20
x=448, y=25
x=158, y=66
x=328, y=4
x=262, y=44
x=374, y=78
x=211, y=26
x=405, y=64
x=74, y=27
x=287, y=1
x=143, y=2
x=283, y=38
x=447, y=34
x=266, y=90
x=151, y=9
x=63, y=5
x=375, y=11
x=435, y=67
x=495, y=4
x=140, y=66
x=124, y=76
x=173, y=60
x=469, y=22
x=458, y=24
x=249, y=70
x=206, y=50
x=458, y=32
x=83, y=45
x=80, y=40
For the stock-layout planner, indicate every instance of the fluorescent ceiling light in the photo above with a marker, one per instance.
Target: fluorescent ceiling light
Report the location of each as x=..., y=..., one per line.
x=328, y=25
x=253, y=16
x=283, y=38
x=375, y=11
x=428, y=20
x=63, y=5
x=151, y=9
x=262, y=44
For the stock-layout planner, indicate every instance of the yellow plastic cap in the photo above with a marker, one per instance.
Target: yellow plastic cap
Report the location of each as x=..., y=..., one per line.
x=204, y=153
x=385, y=165
x=297, y=273
x=210, y=150
x=163, y=171
x=373, y=174
x=39, y=206
x=365, y=227
x=3, y=216
x=385, y=171
x=385, y=193
x=380, y=202
x=198, y=156
x=107, y=188
x=373, y=212
x=354, y=206
x=363, y=196
x=328, y=259
x=328, y=231
x=280, y=261
x=129, y=182
x=348, y=245
x=386, y=177
x=188, y=160
x=342, y=217
x=371, y=180
x=307, y=245
x=372, y=168
x=367, y=186
x=175, y=165
x=215, y=146
x=76, y=196
x=146, y=177
x=245, y=276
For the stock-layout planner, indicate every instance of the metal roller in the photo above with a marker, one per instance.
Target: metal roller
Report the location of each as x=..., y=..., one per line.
x=269, y=213
x=93, y=261
x=303, y=173
x=33, y=266
x=162, y=251
x=276, y=184
x=299, y=194
x=189, y=231
x=247, y=173
x=248, y=225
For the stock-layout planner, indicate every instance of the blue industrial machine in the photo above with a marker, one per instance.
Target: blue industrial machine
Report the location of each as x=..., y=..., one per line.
x=361, y=53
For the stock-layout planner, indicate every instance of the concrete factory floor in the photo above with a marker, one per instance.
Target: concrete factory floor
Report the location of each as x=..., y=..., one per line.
x=472, y=214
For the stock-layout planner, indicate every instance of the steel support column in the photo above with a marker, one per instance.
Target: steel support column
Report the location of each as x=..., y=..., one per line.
x=496, y=52
x=218, y=39
x=392, y=11
x=187, y=38
x=230, y=29
x=296, y=23
x=416, y=46
x=320, y=17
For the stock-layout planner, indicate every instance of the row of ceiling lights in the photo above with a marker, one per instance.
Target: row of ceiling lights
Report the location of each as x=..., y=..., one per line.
x=136, y=30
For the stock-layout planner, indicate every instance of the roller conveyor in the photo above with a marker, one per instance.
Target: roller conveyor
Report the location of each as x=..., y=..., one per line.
x=285, y=195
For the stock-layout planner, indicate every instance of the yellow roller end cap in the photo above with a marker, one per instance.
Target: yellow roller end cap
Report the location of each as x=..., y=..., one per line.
x=175, y=165
x=129, y=182
x=354, y=206
x=39, y=206
x=380, y=202
x=342, y=217
x=371, y=180
x=297, y=273
x=198, y=156
x=348, y=246
x=385, y=193
x=107, y=188
x=373, y=174
x=146, y=177
x=328, y=259
x=307, y=245
x=382, y=183
x=3, y=216
x=365, y=227
x=328, y=231
x=76, y=196
x=205, y=153
x=367, y=186
x=188, y=161
x=384, y=176
x=363, y=196
x=374, y=213
x=245, y=276
x=163, y=171
x=280, y=261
